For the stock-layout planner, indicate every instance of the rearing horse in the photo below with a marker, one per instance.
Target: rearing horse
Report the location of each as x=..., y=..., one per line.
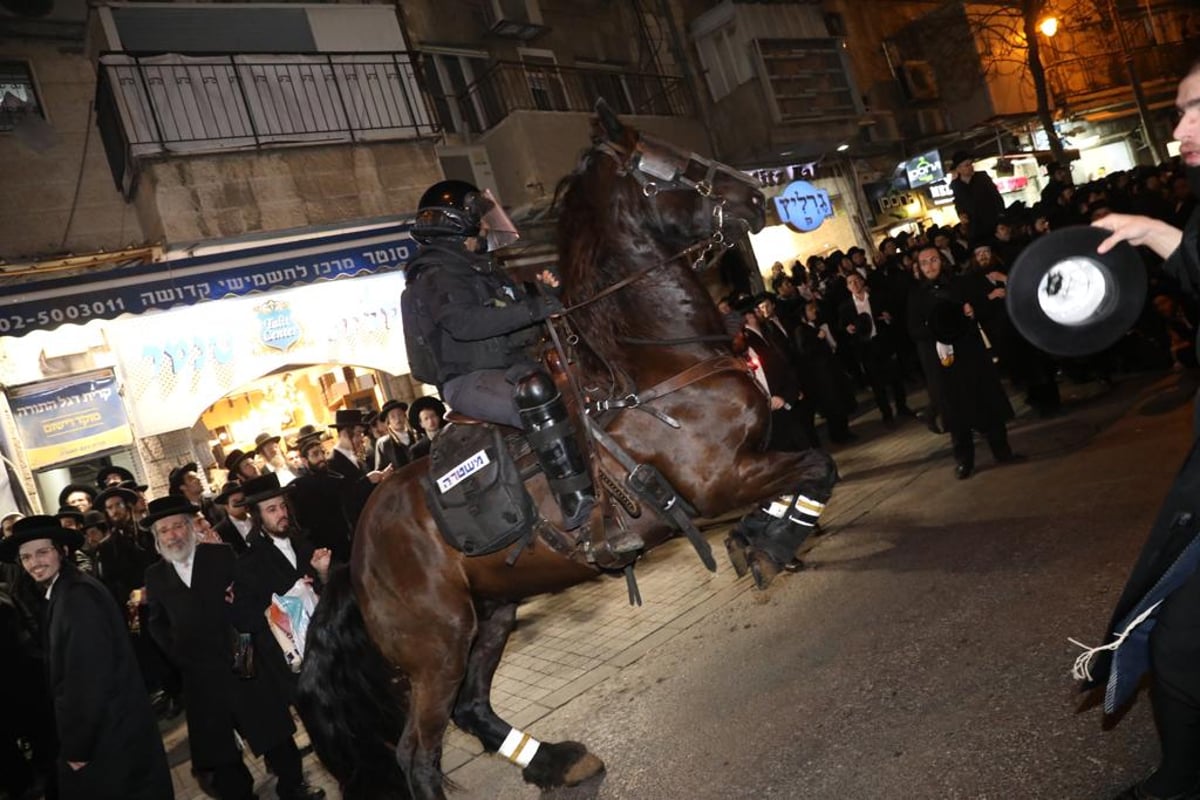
x=409, y=637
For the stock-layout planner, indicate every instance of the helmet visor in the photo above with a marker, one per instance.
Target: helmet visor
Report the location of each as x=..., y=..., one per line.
x=494, y=223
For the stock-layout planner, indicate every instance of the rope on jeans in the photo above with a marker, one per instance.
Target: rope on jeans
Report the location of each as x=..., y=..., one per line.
x=1082, y=670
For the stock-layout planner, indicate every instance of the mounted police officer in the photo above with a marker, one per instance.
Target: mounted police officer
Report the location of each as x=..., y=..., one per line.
x=468, y=329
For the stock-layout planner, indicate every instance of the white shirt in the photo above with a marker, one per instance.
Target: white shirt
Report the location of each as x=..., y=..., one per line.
x=863, y=306
x=53, y=581
x=184, y=570
x=350, y=455
x=285, y=546
x=242, y=526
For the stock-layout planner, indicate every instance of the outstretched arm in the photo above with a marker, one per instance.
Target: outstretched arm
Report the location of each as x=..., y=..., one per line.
x=1159, y=236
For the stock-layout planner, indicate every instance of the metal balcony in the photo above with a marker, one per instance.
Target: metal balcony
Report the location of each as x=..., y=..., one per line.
x=516, y=86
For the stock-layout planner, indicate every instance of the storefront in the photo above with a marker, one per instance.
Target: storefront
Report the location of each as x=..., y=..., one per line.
x=183, y=360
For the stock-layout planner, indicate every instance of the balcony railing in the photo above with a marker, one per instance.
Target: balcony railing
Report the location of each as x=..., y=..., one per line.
x=187, y=103
x=1074, y=80
x=516, y=86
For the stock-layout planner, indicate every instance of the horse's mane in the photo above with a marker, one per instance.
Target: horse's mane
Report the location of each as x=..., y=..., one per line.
x=603, y=236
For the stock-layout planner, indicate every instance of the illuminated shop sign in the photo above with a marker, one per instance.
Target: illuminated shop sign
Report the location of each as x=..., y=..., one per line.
x=804, y=206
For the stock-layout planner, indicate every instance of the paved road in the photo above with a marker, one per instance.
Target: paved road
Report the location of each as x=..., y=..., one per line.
x=923, y=655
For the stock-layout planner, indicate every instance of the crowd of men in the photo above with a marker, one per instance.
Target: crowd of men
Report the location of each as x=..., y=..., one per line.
x=120, y=610
x=930, y=308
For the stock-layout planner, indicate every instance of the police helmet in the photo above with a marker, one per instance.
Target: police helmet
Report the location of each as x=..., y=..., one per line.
x=448, y=209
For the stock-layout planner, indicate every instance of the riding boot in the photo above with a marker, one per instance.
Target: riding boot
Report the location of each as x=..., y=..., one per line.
x=548, y=429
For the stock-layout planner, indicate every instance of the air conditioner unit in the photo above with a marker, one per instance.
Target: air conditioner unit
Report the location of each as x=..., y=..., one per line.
x=919, y=80
x=514, y=19
x=470, y=164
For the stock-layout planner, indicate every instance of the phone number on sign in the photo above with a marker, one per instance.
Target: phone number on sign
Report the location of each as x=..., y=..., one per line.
x=72, y=313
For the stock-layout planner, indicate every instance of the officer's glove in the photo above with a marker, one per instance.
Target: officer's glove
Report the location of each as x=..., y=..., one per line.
x=542, y=306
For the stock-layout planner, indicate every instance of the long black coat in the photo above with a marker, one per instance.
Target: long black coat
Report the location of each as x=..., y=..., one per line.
x=320, y=504
x=231, y=536
x=101, y=707
x=823, y=377
x=194, y=628
x=970, y=390
x=257, y=575
x=355, y=488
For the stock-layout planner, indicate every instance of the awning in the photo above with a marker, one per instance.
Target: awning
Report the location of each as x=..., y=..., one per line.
x=45, y=305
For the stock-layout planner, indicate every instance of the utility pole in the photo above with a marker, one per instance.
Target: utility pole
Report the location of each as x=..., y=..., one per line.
x=1139, y=96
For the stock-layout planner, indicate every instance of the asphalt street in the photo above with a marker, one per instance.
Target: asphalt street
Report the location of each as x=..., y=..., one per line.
x=923, y=653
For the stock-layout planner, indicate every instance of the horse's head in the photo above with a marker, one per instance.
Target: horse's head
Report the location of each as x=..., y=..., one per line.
x=689, y=198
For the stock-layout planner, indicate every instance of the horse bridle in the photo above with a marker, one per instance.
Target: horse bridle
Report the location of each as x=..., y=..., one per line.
x=655, y=172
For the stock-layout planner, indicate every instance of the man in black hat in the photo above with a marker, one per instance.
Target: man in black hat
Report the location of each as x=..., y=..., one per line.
x=77, y=495
x=185, y=480
x=240, y=465
x=235, y=529
x=113, y=475
x=1060, y=178
x=976, y=198
x=110, y=747
x=427, y=416
x=267, y=448
x=868, y=322
x=346, y=460
x=791, y=416
x=318, y=497
x=190, y=598
x=1174, y=641
x=468, y=329
x=959, y=369
x=281, y=557
x=392, y=447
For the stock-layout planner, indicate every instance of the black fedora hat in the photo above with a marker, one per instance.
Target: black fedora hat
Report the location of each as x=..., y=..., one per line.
x=422, y=403
x=169, y=506
x=960, y=157
x=72, y=488
x=32, y=528
x=392, y=405
x=175, y=479
x=133, y=486
x=1069, y=300
x=227, y=491
x=106, y=474
x=263, y=439
x=69, y=512
x=95, y=519
x=125, y=493
x=348, y=418
x=264, y=487
x=307, y=440
x=235, y=458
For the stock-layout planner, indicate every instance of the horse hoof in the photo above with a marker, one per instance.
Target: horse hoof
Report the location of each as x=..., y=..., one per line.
x=736, y=549
x=764, y=569
x=561, y=764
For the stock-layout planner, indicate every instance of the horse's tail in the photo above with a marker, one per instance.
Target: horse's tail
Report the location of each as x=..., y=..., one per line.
x=350, y=698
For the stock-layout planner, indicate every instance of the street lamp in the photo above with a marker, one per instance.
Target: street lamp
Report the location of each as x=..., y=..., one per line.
x=1048, y=26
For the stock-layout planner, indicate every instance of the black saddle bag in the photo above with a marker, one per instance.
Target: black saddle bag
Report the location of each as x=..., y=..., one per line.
x=475, y=491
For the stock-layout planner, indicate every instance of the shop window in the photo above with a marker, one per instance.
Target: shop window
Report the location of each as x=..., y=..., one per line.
x=18, y=95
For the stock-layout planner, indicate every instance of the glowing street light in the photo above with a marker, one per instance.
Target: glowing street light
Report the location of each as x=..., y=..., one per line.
x=1048, y=26
x=841, y=148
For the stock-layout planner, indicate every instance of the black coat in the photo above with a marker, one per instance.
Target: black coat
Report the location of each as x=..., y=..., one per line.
x=356, y=488
x=320, y=500
x=120, y=565
x=970, y=390
x=884, y=343
x=194, y=628
x=258, y=574
x=481, y=318
x=231, y=536
x=389, y=452
x=101, y=707
x=822, y=375
x=980, y=200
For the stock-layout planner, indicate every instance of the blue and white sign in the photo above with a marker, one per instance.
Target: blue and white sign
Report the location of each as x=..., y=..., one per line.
x=804, y=206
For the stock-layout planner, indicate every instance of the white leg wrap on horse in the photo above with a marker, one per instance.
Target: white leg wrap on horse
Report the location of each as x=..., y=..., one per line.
x=519, y=747
x=806, y=511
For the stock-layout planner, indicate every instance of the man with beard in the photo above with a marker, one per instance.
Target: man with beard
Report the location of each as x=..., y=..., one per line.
x=117, y=504
x=280, y=558
x=346, y=460
x=941, y=319
x=792, y=427
x=318, y=499
x=110, y=748
x=240, y=465
x=1173, y=659
x=190, y=600
x=267, y=448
